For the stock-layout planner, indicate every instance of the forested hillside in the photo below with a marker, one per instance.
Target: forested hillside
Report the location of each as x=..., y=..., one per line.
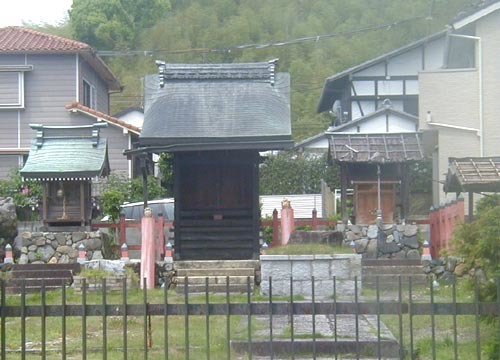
x=312, y=38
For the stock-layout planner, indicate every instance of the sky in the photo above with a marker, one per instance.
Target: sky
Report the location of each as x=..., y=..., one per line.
x=52, y=12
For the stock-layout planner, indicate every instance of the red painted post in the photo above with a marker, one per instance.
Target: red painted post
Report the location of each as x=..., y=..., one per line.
x=123, y=229
x=287, y=221
x=315, y=219
x=275, y=229
x=147, y=249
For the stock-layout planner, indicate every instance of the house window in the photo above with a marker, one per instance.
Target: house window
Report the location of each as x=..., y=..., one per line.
x=88, y=95
x=12, y=86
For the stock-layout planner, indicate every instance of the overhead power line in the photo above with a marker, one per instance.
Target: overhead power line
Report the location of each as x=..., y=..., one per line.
x=230, y=48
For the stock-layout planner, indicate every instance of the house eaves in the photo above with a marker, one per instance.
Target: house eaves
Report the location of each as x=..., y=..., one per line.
x=333, y=84
x=309, y=141
x=19, y=40
x=475, y=13
x=384, y=110
x=75, y=107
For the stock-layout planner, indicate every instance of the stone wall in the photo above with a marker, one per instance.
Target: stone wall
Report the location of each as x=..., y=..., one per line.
x=58, y=247
x=389, y=242
x=344, y=267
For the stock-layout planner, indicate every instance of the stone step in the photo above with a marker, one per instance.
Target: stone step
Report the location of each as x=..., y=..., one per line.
x=214, y=288
x=216, y=272
x=216, y=280
x=215, y=264
x=389, y=348
x=36, y=276
x=389, y=270
x=391, y=262
x=392, y=281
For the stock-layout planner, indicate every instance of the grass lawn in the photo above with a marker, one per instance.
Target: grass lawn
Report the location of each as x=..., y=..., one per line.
x=190, y=333
x=308, y=249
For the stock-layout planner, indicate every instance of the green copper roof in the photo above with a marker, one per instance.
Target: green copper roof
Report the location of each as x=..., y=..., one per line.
x=69, y=153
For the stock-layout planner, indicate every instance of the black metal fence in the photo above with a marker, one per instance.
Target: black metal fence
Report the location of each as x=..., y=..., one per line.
x=404, y=322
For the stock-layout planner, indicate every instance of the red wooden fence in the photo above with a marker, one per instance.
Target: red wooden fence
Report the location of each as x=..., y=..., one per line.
x=443, y=221
x=122, y=226
x=314, y=223
x=160, y=224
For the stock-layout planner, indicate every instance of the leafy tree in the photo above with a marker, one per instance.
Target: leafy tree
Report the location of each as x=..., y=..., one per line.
x=295, y=173
x=119, y=189
x=114, y=24
x=478, y=243
x=209, y=30
x=26, y=194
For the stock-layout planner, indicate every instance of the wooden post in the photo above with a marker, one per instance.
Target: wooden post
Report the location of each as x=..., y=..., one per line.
x=471, y=207
x=160, y=247
x=122, y=229
x=82, y=204
x=45, y=203
x=147, y=250
x=275, y=228
x=343, y=193
x=405, y=192
x=315, y=219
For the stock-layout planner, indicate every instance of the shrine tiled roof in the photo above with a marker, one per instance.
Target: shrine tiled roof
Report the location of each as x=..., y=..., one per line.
x=67, y=153
x=217, y=106
x=383, y=148
x=473, y=174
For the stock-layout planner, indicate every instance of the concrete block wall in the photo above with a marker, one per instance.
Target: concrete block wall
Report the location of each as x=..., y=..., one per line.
x=281, y=268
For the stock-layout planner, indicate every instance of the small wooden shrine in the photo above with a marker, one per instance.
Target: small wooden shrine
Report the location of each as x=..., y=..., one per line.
x=376, y=166
x=473, y=175
x=65, y=159
x=215, y=118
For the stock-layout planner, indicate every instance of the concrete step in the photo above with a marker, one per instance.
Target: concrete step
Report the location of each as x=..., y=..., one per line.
x=389, y=348
x=216, y=272
x=216, y=264
x=216, y=280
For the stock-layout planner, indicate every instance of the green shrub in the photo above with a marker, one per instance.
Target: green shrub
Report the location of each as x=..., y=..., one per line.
x=26, y=194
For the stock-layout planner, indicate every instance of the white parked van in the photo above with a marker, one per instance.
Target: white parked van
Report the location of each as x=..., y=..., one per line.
x=134, y=211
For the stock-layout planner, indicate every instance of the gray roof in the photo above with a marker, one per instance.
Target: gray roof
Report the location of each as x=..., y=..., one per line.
x=217, y=106
x=67, y=153
x=384, y=148
x=474, y=174
x=472, y=8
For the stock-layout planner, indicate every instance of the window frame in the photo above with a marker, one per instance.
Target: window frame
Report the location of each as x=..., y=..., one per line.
x=19, y=70
x=88, y=90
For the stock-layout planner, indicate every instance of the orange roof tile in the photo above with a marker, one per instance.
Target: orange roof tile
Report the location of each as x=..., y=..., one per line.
x=16, y=39
x=19, y=39
x=97, y=114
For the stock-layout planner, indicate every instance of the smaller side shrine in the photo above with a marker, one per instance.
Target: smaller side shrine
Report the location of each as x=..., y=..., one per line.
x=377, y=166
x=65, y=159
